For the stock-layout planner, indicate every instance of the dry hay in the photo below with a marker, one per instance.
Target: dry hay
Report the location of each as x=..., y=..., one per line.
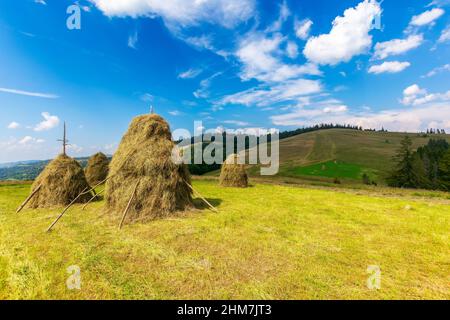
x=144, y=158
x=233, y=174
x=97, y=168
x=61, y=182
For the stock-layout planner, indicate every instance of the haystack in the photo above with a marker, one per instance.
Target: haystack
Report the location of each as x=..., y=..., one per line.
x=60, y=183
x=233, y=174
x=97, y=168
x=142, y=166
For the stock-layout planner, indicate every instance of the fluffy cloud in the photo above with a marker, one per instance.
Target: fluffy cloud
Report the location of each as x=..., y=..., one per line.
x=416, y=96
x=302, y=28
x=302, y=114
x=427, y=17
x=348, y=37
x=236, y=123
x=389, y=67
x=227, y=13
x=292, y=90
x=397, y=46
x=445, y=35
x=13, y=125
x=261, y=58
x=49, y=122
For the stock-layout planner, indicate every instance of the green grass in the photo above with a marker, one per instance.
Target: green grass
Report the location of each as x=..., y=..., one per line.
x=330, y=169
x=267, y=241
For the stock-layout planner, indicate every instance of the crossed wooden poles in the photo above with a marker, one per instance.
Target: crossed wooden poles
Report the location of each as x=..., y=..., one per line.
x=87, y=191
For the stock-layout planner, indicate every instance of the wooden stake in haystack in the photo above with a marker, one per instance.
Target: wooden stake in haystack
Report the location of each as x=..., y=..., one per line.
x=60, y=183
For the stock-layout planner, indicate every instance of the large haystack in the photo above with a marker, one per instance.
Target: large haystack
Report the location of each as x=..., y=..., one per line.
x=144, y=159
x=233, y=174
x=61, y=181
x=97, y=168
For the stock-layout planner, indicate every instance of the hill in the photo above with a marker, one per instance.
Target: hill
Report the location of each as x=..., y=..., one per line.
x=344, y=154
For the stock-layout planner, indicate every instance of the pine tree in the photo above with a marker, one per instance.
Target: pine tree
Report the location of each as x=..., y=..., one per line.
x=410, y=171
x=444, y=171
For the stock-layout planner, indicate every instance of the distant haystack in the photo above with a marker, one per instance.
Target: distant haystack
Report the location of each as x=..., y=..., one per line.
x=142, y=166
x=233, y=174
x=60, y=183
x=97, y=169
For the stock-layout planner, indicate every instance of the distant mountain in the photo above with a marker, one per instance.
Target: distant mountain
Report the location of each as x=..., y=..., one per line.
x=28, y=170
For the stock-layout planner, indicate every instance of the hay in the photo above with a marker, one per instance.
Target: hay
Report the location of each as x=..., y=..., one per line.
x=97, y=169
x=144, y=156
x=233, y=174
x=61, y=182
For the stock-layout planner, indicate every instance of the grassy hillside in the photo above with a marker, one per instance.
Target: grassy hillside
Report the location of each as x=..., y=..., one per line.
x=267, y=241
x=343, y=153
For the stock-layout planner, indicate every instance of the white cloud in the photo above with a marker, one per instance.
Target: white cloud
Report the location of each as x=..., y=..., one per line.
x=348, y=37
x=75, y=148
x=236, y=123
x=189, y=74
x=416, y=96
x=302, y=28
x=397, y=46
x=175, y=113
x=13, y=125
x=30, y=140
x=147, y=97
x=28, y=93
x=427, y=17
x=227, y=13
x=48, y=123
x=132, y=40
x=389, y=67
x=445, y=35
x=411, y=119
x=261, y=59
x=40, y=2
x=292, y=50
x=292, y=90
x=283, y=16
x=203, y=91
x=437, y=70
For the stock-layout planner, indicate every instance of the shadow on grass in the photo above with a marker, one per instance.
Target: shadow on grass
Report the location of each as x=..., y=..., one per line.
x=200, y=204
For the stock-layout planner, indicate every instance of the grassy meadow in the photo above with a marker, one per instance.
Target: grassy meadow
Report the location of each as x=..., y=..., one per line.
x=267, y=242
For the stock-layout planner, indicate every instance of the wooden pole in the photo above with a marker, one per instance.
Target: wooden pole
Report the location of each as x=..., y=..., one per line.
x=128, y=206
x=200, y=196
x=29, y=198
x=95, y=196
x=67, y=208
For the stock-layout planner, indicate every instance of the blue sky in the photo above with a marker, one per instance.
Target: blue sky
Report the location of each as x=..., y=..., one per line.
x=230, y=63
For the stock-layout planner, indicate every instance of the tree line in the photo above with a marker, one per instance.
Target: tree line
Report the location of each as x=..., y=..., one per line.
x=427, y=168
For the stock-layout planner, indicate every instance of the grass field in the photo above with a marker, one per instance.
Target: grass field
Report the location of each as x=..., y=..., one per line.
x=267, y=242
x=330, y=169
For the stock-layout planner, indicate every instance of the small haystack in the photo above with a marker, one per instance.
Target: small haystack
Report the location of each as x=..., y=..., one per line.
x=143, y=180
x=59, y=184
x=97, y=169
x=233, y=174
